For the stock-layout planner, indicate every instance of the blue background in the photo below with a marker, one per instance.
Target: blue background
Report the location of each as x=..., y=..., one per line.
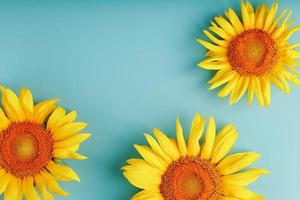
x=129, y=66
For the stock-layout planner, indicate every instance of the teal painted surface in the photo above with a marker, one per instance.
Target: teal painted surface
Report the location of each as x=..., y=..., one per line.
x=129, y=66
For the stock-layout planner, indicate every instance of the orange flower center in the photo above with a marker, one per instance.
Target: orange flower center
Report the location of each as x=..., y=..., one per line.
x=253, y=52
x=25, y=148
x=190, y=178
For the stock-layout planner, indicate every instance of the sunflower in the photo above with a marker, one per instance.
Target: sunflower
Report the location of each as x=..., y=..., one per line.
x=179, y=170
x=251, y=53
x=33, y=141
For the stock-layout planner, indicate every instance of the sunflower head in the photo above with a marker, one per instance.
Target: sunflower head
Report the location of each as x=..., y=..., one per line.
x=173, y=169
x=251, y=53
x=34, y=139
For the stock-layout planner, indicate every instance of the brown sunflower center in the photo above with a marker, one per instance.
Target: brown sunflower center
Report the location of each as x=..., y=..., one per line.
x=190, y=178
x=25, y=148
x=253, y=52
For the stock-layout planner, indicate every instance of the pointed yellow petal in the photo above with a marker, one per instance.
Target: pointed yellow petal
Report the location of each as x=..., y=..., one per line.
x=63, y=170
x=211, y=46
x=240, y=89
x=140, y=178
x=4, y=121
x=226, y=26
x=12, y=105
x=180, y=138
x=12, y=190
x=28, y=189
x=266, y=90
x=240, y=192
x=275, y=23
x=250, y=91
x=42, y=110
x=153, y=194
x=4, y=180
x=209, y=140
x=68, y=130
x=26, y=102
x=237, y=162
x=157, y=148
x=141, y=165
x=229, y=76
x=69, y=118
x=223, y=43
x=223, y=143
x=270, y=17
x=73, y=140
x=220, y=32
x=52, y=184
x=261, y=16
x=277, y=83
x=244, y=178
x=195, y=135
x=166, y=144
x=42, y=188
x=151, y=157
x=245, y=16
x=57, y=114
x=66, y=154
x=258, y=91
x=228, y=88
x=235, y=21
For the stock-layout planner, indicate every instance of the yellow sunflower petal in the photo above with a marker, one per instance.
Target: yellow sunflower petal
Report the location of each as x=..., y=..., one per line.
x=26, y=102
x=57, y=114
x=229, y=198
x=275, y=23
x=236, y=162
x=240, y=192
x=215, y=40
x=68, y=118
x=270, y=16
x=157, y=148
x=209, y=140
x=151, y=157
x=244, y=178
x=138, y=176
x=63, y=170
x=28, y=189
x=250, y=91
x=142, y=165
x=261, y=16
x=180, y=138
x=52, y=184
x=43, y=110
x=73, y=140
x=42, y=188
x=66, y=154
x=258, y=91
x=235, y=21
x=266, y=90
x=152, y=194
x=227, y=89
x=166, y=144
x=223, y=143
x=195, y=135
x=226, y=26
x=229, y=76
x=11, y=105
x=4, y=121
x=211, y=47
x=12, y=190
x=68, y=130
x=4, y=180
